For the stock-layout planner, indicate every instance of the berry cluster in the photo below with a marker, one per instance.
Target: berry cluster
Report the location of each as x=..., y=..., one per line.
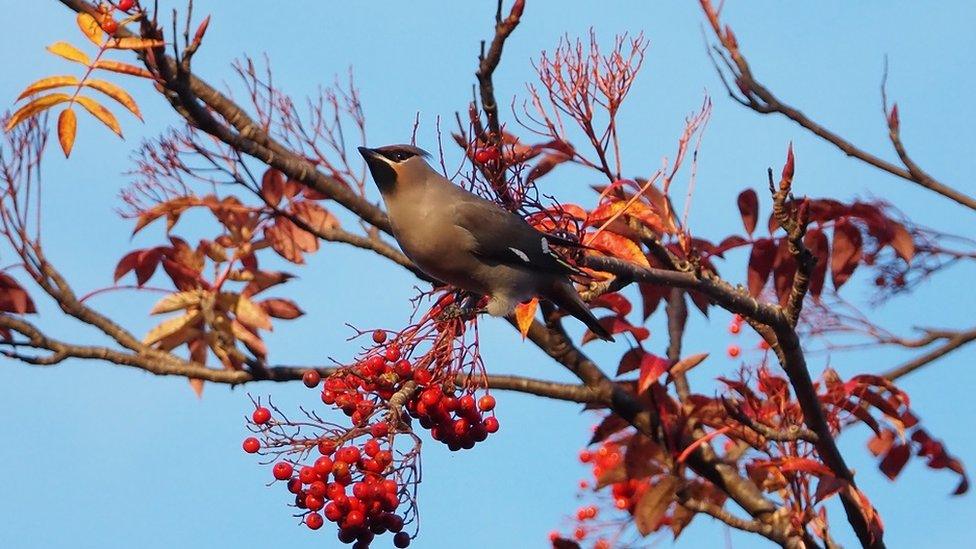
x=357, y=478
x=352, y=485
x=105, y=19
x=455, y=421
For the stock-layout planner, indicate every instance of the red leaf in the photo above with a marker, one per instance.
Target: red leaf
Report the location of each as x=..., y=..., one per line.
x=616, y=325
x=895, y=460
x=630, y=361
x=610, y=425
x=804, y=465
x=272, y=186
x=13, y=297
x=788, y=167
x=651, y=296
x=816, y=242
x=146, y=264
x=281, y=308
x=846, y=252
x=760, y=264
x=651, y=368
x=749, y=209
x=784, y=269
x=182, y=276
x=126, y=264
x=613, y=301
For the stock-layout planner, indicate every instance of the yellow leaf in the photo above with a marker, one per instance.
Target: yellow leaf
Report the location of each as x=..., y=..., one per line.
x=170, y=327
x=116, y=93
x=90, y=28
x=123, y=68
x=251, y=315
x=524, y=314
x=67, y=126
x=69, y=52
x=134, y=43
x=175, y=302
x=47, y=84
x=248, y=338
x=101, y=113
x=36, y=106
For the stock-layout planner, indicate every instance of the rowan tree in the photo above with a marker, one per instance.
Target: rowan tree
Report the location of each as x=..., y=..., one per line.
x=276, y=179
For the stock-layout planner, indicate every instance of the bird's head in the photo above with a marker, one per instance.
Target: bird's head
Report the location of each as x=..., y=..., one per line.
x=393, y=164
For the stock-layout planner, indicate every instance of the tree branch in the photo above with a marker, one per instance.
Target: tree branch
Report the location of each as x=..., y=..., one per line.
x=758, y=98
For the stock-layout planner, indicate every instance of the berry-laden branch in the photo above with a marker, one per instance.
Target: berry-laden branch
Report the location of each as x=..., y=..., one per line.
x=760, y=99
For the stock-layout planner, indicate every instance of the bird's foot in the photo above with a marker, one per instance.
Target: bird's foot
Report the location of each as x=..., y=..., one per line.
x=464, y=311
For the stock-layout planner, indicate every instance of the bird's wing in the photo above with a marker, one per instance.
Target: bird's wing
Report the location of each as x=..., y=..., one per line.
x=503, y=237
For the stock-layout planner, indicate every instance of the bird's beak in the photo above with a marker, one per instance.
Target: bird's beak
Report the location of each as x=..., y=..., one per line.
x=383, y=173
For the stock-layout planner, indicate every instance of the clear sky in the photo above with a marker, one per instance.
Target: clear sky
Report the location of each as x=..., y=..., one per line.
x=101, y=456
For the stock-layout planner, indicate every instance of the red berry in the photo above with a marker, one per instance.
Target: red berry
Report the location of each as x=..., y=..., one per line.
x=126, y=5
x=282, y=470
x=317, y=489
x=311, y=379
x=332, y=512
x=295, y=486
x=379, y=337
x=314, y=521
x=308, y=475
x=261, y=415
x=486, y=403
x=354, y=519
x=379, y=430
x=372, y=447
x=486, y=155
x=401, y=540
x=251, y=445
x=402, y=368
x=553, y=536
x=393, y=353
x=323, y=466
x=314, y=502
x=110, y=26
x=466, y=403
x=763, y=345
x=580, y=534
x=327, y=447
x=491, y=424
x=585, y=456
x=733, y=351
x=734, y=328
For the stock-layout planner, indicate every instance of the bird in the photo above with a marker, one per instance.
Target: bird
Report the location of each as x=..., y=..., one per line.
x=471, y=243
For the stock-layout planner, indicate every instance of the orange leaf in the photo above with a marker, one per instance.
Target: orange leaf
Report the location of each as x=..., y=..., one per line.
x=90, y=28
x=36, y=106
x=134, y=43
x=47, y=84
x=69, y=52
x=315, y=216
x=524, y=314
x=197, y=386
x=281, y=308
x=123, y=68
x=620, y=247
x=67, y=126
x=116, y=93
x=251, y=315
x=653, y=505
x=101, y=113
x=687, y=363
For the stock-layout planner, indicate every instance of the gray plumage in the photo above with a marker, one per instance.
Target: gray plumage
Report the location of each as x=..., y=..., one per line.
x=466, y=241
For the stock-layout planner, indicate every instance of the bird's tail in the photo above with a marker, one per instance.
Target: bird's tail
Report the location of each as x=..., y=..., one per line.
x=564, y=296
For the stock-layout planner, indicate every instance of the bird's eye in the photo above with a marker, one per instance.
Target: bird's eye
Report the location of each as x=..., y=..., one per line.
x=400, y=156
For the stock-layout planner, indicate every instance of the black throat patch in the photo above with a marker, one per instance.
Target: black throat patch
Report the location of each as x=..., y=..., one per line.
x=383, y=174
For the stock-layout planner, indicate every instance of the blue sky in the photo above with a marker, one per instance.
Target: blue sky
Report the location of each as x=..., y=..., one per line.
x=102, y=456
